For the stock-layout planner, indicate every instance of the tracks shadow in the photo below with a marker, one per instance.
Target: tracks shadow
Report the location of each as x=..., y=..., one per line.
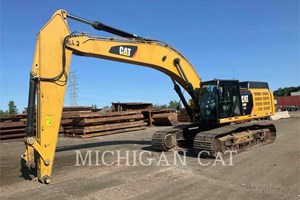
x=101, y=144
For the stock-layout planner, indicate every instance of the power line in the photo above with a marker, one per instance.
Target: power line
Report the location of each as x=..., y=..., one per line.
x=73, y=89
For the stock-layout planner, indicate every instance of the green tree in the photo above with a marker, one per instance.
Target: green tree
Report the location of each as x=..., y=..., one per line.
x=160, y=106
x=3, y=114
x=285, y=91
x=12, y=108
x=94, y=106
x=25, y=110
x=175, y=105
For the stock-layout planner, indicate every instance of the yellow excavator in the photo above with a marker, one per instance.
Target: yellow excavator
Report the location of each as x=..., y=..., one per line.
x=225, y=114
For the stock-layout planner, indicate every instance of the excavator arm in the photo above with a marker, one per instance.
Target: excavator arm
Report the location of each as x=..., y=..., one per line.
x=55, y=46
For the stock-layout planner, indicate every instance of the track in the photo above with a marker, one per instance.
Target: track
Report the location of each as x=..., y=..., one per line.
x=237, y=137
x=228, y=137
x=165, y=139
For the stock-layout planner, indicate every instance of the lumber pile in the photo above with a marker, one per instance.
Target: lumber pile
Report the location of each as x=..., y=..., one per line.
x=165, y=119
x=67, y=109
x=92, y=124
x=161, y=117
x=12, y=127
x=124, y=106
x=85, y=122
x=69, y=113
x=157, y=117
x=183, y=116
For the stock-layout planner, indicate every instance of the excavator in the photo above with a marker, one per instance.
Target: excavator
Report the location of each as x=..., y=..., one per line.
x=225, y=114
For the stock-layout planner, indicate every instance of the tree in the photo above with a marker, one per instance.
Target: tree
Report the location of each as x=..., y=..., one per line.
x=25, y=110
x=12, y=108
x=160, y=106
x=175, y=105
x=285, y=91
x=3, y=114
x=94, y=106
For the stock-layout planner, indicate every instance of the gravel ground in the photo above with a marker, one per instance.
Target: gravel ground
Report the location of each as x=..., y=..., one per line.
x=268, y=172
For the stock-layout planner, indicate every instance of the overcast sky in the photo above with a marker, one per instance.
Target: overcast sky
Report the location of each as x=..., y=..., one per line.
x=241, y=39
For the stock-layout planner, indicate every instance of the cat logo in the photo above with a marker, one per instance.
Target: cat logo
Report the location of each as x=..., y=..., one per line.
x=124, y=50
x=245, y=98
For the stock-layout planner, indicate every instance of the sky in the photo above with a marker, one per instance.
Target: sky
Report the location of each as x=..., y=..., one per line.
x=245, y=40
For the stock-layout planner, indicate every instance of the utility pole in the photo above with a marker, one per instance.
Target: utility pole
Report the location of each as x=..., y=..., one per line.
x=73, y=88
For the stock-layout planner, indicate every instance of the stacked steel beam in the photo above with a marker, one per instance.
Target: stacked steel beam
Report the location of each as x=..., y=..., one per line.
x=12, y=127
x=165, y=118
x=84, y=121
x=93, y=124
x=71, y=112
x=157, y=117
x=183, y=116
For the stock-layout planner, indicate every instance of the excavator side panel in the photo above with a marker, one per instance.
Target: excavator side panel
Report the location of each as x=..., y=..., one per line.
x=262, y=105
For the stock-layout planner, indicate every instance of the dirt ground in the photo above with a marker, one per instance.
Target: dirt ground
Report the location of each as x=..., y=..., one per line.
x=268, y=172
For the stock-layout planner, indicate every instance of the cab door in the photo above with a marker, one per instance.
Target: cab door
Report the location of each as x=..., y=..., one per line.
x=229, y=99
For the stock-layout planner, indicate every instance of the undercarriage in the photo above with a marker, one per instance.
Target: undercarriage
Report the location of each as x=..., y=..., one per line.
x=213, y=141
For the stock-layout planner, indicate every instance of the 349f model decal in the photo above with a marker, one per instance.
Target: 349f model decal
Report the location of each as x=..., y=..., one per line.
x=124, y=50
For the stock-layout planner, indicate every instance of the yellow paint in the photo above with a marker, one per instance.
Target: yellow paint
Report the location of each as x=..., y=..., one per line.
x=47, y=63
x=263, y=107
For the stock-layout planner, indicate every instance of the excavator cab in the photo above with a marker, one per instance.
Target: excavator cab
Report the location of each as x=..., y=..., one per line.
x=219, y=99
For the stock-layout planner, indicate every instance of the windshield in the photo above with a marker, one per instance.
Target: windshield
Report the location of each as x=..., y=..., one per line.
x=208, y=101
